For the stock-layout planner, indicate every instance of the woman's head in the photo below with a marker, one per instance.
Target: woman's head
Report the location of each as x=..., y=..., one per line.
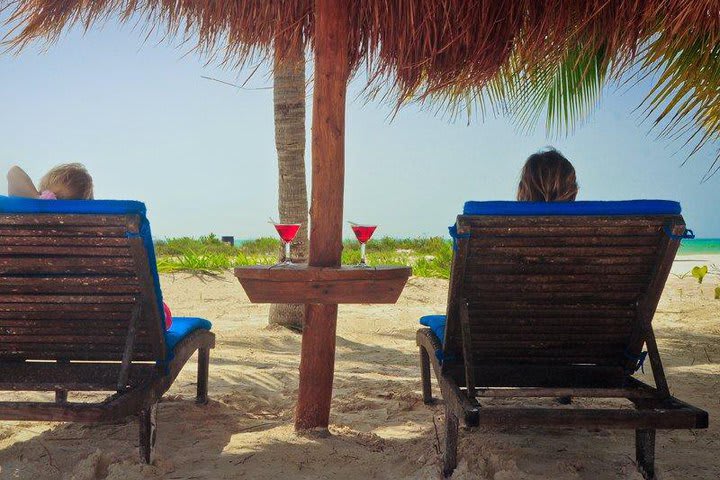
x=70, y=181
x=547, y=177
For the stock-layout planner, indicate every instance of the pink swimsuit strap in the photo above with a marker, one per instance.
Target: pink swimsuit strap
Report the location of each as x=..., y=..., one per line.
x=47, y=195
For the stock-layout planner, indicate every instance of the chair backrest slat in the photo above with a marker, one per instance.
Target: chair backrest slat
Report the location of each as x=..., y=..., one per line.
x=68, y=284
x=554, y=293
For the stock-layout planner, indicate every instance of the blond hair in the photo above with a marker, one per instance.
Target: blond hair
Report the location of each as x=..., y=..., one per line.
x=70, y=181
x=547, y=177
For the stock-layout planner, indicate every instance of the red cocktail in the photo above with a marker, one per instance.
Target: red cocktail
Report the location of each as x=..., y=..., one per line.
x=363, y=233
x=287, y=232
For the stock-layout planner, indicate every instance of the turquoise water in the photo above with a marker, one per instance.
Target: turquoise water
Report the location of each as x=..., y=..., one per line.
x=700, y=245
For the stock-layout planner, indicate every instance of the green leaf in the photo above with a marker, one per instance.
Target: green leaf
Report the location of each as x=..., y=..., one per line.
x=699, y=272
x=717, y=292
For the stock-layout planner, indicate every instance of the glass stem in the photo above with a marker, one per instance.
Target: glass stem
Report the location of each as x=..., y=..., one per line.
x=287, y=252
x=362, y=254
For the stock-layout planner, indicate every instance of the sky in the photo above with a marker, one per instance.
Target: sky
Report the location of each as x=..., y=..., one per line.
x=201, y=154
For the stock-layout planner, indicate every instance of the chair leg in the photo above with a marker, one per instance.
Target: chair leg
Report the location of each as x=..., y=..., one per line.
x=425, y=376
x=202, y=376
x=148, y=422
x=451, y=443
x=645, y=452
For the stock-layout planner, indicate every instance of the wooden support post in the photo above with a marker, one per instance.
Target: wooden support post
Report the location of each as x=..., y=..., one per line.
x=202, y=375
x=425, y=376
x=467, y=348
x=148, y=422
x=451, y=442
x=645, y=452
x=656, y=364
x=328, y=173
x=129, y=347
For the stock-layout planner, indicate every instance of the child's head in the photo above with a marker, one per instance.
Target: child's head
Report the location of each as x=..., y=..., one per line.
x=70, y=181
x=547, y=177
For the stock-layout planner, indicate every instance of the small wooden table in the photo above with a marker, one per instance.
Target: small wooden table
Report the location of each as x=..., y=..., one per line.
x=321, y=289
x=323, y=285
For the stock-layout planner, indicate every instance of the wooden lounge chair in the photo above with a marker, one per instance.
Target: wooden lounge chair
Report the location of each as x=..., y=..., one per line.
x=81, y=310
x=552, y=300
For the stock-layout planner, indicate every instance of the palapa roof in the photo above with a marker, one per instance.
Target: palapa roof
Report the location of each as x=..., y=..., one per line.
x=529, y=54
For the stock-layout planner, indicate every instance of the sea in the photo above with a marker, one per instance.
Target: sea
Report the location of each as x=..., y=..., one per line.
x=700, y=246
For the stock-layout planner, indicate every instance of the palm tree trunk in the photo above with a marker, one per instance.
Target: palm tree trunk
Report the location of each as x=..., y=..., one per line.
x=289, y=102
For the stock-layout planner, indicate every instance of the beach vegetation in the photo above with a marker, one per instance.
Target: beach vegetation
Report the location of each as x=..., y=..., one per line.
x=428, y=257
x=699, y=272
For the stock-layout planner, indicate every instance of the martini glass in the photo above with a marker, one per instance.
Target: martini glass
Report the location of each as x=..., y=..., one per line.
x=287, y=232
x=363, y=233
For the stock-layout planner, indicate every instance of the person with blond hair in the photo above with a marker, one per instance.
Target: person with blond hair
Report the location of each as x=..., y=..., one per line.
x=70, y=181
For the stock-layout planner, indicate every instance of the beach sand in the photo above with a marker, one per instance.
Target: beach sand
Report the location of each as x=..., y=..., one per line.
x=380, y=427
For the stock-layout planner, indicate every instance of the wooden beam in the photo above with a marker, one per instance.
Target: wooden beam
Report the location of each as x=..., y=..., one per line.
x=332, y=25
x=129, y=347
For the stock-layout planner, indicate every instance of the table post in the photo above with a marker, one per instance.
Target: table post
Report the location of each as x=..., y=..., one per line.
x=317, y=358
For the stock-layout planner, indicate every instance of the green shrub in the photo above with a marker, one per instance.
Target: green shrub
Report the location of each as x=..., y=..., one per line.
x=429, y=257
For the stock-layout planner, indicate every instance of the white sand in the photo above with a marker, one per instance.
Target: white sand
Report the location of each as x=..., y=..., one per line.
x=685, y=263
x=380, y=428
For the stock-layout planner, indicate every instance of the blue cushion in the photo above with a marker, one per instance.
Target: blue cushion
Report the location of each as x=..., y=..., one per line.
x=625, y=207
x=436, y=324
x=182, y=327
x=17, y=205
x=106, y=207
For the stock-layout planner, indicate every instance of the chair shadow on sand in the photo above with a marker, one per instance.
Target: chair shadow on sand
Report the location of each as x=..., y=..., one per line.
x=223, y=439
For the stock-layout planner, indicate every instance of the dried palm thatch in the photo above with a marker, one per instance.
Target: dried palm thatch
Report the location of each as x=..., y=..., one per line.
x=527, y=56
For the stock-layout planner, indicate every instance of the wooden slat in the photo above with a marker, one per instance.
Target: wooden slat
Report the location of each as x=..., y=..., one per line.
x=549, y=287
x=481, y=242
x=73, y=251
x=70, y=231
x=519, y=392
x=71, y=299
x=482, y=278
x=536, y=335
x=65, y=265
x=541, y=223
x=608, y=418
x=549, y=348
x=540, y=328
x=565, y=252
x=565, y=231
x=107, y=345
x=54, y=310
x=522, y=320
x=70, y=220
x=42, y=241
x=523, y=362
x=69, y=285
x=557, y=297
x=53, y=339
x=549, y=260
x=76, y=351
x=48, y=376
x=497, y=374
x=579, y=268
x=520, y=307
x=80, y=328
